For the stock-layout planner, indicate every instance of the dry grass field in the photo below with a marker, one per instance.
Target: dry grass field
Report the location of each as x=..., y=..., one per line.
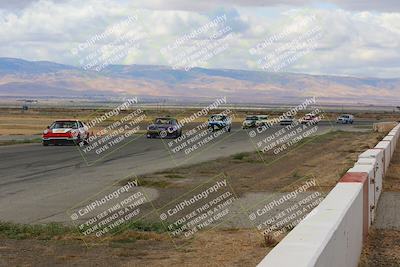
x=34, y=121
x=248, y=172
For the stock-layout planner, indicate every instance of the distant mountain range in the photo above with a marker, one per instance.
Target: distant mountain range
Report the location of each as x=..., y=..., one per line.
x=47, y=79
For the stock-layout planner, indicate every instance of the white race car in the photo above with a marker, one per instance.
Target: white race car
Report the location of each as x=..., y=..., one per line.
x=66, y=131
x=345, y=119
x=220, y=121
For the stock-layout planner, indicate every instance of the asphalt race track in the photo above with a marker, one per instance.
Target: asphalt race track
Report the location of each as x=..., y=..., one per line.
x=38, y=184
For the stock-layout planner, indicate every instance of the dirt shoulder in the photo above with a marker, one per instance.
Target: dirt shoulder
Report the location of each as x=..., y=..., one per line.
x=217, y=248
x=382, y=249
x=325, y=158
x=392, y=178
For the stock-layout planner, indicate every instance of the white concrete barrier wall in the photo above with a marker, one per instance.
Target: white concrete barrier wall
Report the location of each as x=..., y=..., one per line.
x=331, y=237
x=373, y=196
x=391, y=139
x=378, y=174
x=395, y=135
x=396, y=131
x=385, y=145
x=346, y=242
x=377, y=154
x=333, y=234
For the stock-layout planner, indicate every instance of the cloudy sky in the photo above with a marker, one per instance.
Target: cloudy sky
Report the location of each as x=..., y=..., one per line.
x=346, y=37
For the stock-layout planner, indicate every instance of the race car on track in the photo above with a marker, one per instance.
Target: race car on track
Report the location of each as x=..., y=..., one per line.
x=345, y=119
x=310, y=118
x=288, y=120
x=253, y=121
x=250, y=121
x=65, y=131
x=164, y=127
x=219, y=121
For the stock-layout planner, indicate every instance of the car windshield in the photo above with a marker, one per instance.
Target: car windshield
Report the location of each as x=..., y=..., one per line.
x=217, y=118
x=163, y=121
x=345, y=116
x=64, y=125
x=251, y=118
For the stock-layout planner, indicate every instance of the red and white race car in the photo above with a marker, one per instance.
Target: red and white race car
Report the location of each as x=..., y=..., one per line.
x=66, y=131
x=310, y=118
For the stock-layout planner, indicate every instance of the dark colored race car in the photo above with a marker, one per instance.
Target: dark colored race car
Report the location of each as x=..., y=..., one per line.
x=250, y=121
x=164, y=127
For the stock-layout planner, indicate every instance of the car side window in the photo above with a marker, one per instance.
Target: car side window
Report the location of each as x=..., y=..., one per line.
x=80, y=124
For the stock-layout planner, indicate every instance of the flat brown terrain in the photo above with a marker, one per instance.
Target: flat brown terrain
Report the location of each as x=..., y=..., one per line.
x=324, y=158
x=225, y=248
x=382, y=249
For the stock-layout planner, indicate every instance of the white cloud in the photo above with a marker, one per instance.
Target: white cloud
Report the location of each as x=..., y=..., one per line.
x=361, y=43
x=379, y=5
